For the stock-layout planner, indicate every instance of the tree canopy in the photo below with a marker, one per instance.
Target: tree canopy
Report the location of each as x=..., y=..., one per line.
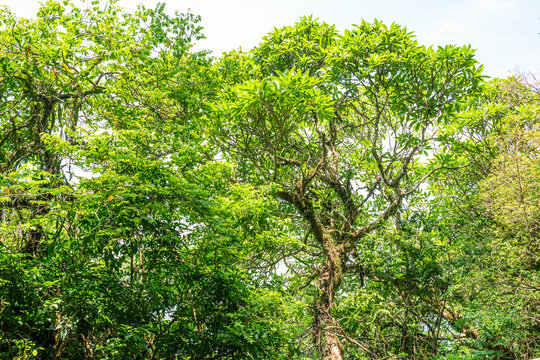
x=333, y=195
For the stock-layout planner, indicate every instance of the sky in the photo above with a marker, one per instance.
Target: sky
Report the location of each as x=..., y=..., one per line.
x=504, y=32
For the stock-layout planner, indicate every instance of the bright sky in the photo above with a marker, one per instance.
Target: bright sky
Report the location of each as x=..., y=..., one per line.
x=504, y=32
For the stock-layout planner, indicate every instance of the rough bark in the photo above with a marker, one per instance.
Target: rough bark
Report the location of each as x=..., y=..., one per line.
x=325, y=339
x=330, y=277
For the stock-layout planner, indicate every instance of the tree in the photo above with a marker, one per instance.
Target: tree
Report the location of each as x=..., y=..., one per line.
x=491, y=293
x=344, y=128
x=510, y=191
x=507, y=196
x=121, y=236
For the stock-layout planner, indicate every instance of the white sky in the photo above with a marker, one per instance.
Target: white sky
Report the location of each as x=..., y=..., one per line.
x=504, y=32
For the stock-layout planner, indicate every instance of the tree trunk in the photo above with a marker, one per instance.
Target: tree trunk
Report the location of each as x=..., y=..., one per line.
x=324, y=326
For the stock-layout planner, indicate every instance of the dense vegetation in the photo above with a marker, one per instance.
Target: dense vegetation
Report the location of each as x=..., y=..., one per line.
x=329, y=195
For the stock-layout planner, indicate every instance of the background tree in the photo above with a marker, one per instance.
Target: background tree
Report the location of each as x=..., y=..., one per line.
x=492, y=210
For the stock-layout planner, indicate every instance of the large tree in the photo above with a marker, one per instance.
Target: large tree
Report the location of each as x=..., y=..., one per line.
x=343, y=129
x=120, y=235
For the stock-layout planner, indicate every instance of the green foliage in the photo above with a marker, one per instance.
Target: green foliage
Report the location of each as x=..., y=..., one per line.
x=345, y=129
x=121, y=236
x=355, y=194
x=491, y=206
